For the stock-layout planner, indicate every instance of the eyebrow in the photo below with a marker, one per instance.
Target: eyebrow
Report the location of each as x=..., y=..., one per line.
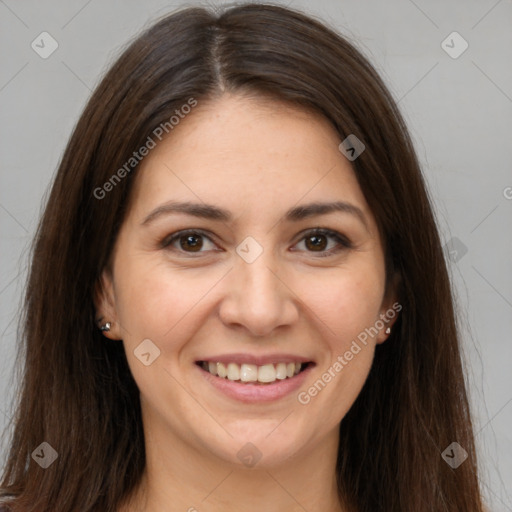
x=298, y=213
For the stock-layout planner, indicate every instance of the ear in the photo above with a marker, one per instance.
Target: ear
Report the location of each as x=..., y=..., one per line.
x=390, y=309
x=104, y=302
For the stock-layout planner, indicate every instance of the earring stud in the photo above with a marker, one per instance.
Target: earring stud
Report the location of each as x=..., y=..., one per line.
x=388, y=330
x=105, y=327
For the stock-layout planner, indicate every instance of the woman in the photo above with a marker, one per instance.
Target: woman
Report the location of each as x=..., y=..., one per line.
x=238, y=297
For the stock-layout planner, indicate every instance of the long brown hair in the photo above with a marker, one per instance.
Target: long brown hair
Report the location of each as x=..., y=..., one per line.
x=77, y=392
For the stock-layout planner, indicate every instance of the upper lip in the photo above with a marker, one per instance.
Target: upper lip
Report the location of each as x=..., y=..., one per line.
x=260, y=360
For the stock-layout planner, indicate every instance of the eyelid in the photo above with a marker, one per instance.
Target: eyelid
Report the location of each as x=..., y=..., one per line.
x=324, y=231
x=168, y=240
x=342, y=240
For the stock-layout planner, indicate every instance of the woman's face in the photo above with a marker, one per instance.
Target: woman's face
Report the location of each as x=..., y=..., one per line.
x=249, y=284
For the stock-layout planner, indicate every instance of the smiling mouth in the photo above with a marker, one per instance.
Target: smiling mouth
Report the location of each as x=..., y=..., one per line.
x=254, y=374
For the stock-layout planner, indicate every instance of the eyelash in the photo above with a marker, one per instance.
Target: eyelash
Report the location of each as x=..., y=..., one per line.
x=344, y=243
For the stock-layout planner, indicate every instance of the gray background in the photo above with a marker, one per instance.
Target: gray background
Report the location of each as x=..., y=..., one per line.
x=459, y=111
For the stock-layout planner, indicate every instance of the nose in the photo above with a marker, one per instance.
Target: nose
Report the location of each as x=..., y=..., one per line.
x=257, y=298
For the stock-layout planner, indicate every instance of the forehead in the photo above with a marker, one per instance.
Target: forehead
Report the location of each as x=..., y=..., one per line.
x=247, y=154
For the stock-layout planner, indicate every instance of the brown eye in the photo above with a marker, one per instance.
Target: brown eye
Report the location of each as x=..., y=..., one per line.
x=187, y=242
x=316, y=242
x=193, y=242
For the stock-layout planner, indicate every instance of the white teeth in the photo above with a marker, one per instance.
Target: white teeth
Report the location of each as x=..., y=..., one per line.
x=265, y=374
x=249, y=373
x=233, y=371
x=281, y=371
x=221, y=370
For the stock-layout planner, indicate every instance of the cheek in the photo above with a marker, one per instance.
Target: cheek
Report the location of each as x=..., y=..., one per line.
x=346, y=301
x=157, y=302
x=347, y=306
x=358, y=306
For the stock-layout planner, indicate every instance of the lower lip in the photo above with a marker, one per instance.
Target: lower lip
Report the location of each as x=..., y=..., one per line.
x=252, y=393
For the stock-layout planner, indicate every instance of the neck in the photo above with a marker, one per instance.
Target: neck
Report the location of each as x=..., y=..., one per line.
x=181, y=477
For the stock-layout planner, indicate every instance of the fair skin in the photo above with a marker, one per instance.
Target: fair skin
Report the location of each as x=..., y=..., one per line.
x=257, y=159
